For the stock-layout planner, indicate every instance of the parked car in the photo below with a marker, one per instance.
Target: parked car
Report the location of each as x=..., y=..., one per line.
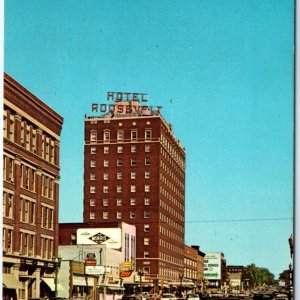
x=168, y=296
x=154, y=297
x=192, y=296
x=132, y=297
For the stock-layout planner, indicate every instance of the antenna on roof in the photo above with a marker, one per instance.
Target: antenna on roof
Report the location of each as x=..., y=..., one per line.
x=171, y=108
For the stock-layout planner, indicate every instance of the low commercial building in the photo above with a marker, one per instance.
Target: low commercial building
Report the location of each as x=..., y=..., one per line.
x=96, y=262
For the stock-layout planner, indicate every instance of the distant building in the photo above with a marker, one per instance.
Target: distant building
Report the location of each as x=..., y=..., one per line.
x=235, y=277
x=200, y=268
x=134, y=172
x=215, y=270
x=31, y=136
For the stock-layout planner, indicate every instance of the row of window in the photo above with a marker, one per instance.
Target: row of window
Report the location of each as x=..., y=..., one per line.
x=178, y=201
x=119, y=202
x=169, y=233
x=175, y=224
x=168, y=274
x=119, y=189
x=172, y=150
x=190, y=262
x=133, y=175
x=27, y=211
x=27, y=243
x=177, y=213
x=119, y=162
x=119, y=215
x=28, y=137
x=120, y=135
x=170, y=246
x=172, y=181
x=106, y=149
x=28, y=177
x=169, y=258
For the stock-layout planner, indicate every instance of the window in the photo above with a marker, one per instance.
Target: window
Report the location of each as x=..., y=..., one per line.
x=146, y=241
x=147, y=188
x=105, y=163
x=92, y=176
x=147, y=201
x=146, y=254
x=92, y=163
x=119, y=215
x=5, y=125
x=146, y=227
x=106, y=136
x=92, y=215
x=120, y=149
x=133, y=148
x=105, y=202
x=147, y=174
x=119, y=162
x=148, y=134
x=132, y=201
x=146, y=214
x=93, y=136
x=106, y=150
x=92, y=202
x=93, y=150
x=119, y=175
x=92, y=189
x=147, y=148
x=132, y=215
x=105, y=189
x=147, y=161
x=119, y=189
x=120, y=135
x=132, y=188
x=133, y=162
x=133, y=175
x=119, y=202
x=105, y=176
x=105, y=215
x=11, y=128
x=134, y=135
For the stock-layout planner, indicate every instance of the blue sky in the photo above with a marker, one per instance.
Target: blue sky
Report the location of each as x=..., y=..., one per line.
x=227, y=65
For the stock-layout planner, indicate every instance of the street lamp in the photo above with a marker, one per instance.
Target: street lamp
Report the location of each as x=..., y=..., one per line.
x=181, y=278
x=56, y=261
x=141, y=274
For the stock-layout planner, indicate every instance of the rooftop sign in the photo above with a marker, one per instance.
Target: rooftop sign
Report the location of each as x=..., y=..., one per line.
x=124, y=103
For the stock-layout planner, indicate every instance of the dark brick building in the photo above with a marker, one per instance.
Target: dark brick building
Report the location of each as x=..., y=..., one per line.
x=134, y=171
x=31, y=134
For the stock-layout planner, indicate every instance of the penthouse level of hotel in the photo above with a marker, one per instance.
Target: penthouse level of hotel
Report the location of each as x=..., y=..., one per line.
x=134, y=172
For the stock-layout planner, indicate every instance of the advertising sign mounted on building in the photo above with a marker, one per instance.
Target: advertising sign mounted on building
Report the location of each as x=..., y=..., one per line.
x=212, y=266
x=111, y=237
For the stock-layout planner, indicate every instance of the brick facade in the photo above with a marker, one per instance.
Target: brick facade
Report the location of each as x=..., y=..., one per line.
x=134, y=172
x=31, y=134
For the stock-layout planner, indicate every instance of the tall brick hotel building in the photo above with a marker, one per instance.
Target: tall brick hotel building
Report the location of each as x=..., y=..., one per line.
x=134, y=172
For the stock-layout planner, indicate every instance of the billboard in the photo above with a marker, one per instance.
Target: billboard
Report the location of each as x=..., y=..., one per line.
x=111, y=237
x=212, y=266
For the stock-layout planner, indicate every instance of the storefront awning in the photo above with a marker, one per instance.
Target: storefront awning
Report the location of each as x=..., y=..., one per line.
x=51, y=284
x=115, y=288
x=11, y=282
